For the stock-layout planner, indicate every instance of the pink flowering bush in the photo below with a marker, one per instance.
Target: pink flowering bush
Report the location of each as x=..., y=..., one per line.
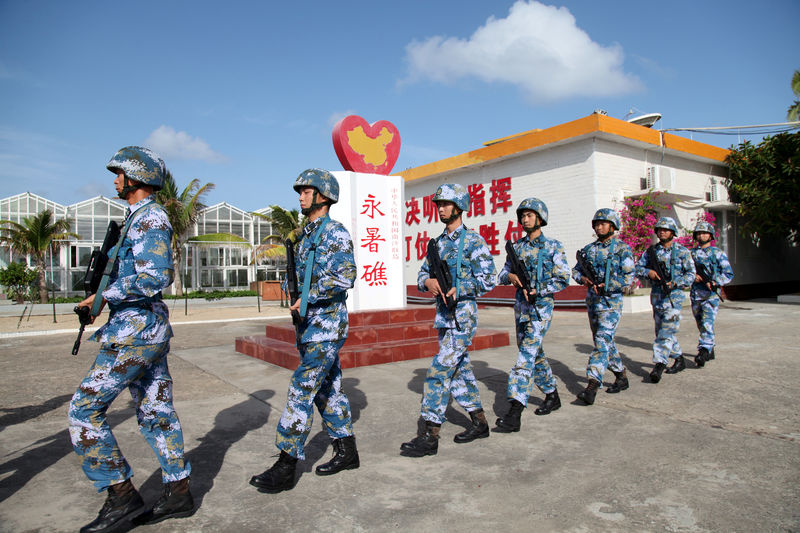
x=639, y=217
x=687, y=240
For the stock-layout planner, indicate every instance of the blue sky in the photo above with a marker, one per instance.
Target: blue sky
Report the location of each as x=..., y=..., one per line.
x=245, y=94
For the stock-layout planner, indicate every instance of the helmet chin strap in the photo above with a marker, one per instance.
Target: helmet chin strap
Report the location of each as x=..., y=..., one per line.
x=605, y=236
x=454, y=214
x=128, y=187
x=671, y=236
x=533, y=229
x=314, y=205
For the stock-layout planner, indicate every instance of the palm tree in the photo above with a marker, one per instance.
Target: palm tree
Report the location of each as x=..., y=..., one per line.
x=793, y=114
x=285, y=225
x=34, y=236
x=182, y=210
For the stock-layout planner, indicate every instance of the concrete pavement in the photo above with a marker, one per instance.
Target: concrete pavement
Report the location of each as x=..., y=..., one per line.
x=711, y=449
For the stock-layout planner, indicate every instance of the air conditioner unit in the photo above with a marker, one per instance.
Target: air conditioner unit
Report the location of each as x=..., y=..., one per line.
x=718, y=192
x=660, y=178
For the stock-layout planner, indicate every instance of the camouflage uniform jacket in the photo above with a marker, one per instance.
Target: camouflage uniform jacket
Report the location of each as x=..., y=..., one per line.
x=717, y=264
x=476, y=277
x=143, y=269
x=332, y=274
x=682, y=272
x=555, y=275
x=620, y=268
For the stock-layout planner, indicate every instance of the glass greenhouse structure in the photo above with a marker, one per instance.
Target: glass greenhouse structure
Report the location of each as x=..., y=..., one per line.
x=218, y=254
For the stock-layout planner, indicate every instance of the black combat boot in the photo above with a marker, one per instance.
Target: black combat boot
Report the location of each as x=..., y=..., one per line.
x=122, y=501
x=587, y=396
x=677, y=366
x=510, y=422
x=551, y=403
x=175, y=502
x=279, y=477
x=478, y=430
x=655, y=375
x=701, y=358
x=424, y=444
x=345, y=457
x=710, y=354
x=620, y=384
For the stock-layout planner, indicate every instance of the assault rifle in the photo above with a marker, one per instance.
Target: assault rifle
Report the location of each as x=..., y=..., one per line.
x=91, y=280
x=705, y=276
x=441, y=273
x=590, y=273
x=661, y=270
x=518, y=268
x=292, y=284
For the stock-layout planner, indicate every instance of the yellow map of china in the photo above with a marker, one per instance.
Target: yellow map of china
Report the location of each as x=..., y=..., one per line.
x=372, y=150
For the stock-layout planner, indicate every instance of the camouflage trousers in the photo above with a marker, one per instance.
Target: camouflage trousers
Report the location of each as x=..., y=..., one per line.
x=317, y=381
x=667, y=323
x=143, y=371
x=450, y=373
x=532, y=366
x=705, y=314
x=603, y=323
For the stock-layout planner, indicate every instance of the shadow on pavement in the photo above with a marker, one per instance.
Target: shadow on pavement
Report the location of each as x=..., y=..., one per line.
x=18, y=415
x=230, y=426
x=43, y=454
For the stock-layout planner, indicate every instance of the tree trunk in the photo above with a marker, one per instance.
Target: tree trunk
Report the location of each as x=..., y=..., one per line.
x=176, y=264
x=42, y=286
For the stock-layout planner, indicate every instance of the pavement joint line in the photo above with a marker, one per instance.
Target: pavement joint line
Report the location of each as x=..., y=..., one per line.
x=93, y=329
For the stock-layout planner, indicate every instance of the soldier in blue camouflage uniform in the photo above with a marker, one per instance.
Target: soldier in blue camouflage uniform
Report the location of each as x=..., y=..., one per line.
x=472, y=271
x=548, y=272
x=133, y=356
x=705, y=297
x=613, y=265
x=667, y=300
x=325, y=269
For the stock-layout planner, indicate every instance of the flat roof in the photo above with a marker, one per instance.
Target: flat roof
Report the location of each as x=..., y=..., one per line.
x=593, y=124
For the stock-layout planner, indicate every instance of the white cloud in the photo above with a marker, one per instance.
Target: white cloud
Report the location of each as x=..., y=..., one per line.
x=536, y=47
x=339, y=115
x=171, y=144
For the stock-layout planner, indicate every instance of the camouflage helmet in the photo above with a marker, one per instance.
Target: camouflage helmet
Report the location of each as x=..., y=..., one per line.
x=453, y=192
x=608, y=215
x=704, y=226
x=140, y=164
x=322, y=180
x=535, y=205
x=667, y=223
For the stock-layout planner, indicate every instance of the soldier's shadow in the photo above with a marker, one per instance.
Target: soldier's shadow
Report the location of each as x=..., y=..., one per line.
x=230, y=426
x=317, y=446
x=19, y=415
x=43, y=454
x=636, y=367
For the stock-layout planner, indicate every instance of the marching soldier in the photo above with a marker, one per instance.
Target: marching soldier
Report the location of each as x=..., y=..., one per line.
x=704, y=294
x=666, y=296
x=326, y=268
x=133, y=356
x=611, y=263
x=548, y=271
x=472, y=271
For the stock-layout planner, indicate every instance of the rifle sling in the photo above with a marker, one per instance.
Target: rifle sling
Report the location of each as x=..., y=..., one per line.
x=112, y=259
x=310, y=266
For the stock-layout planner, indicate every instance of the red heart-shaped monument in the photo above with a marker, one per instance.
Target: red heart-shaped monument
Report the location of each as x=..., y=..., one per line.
x=369, y=148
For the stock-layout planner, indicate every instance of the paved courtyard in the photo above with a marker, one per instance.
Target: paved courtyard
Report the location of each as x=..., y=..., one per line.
x=711, y=449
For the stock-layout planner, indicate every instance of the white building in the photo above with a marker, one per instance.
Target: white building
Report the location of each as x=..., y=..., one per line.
x=223, y=261
x=577, y=168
